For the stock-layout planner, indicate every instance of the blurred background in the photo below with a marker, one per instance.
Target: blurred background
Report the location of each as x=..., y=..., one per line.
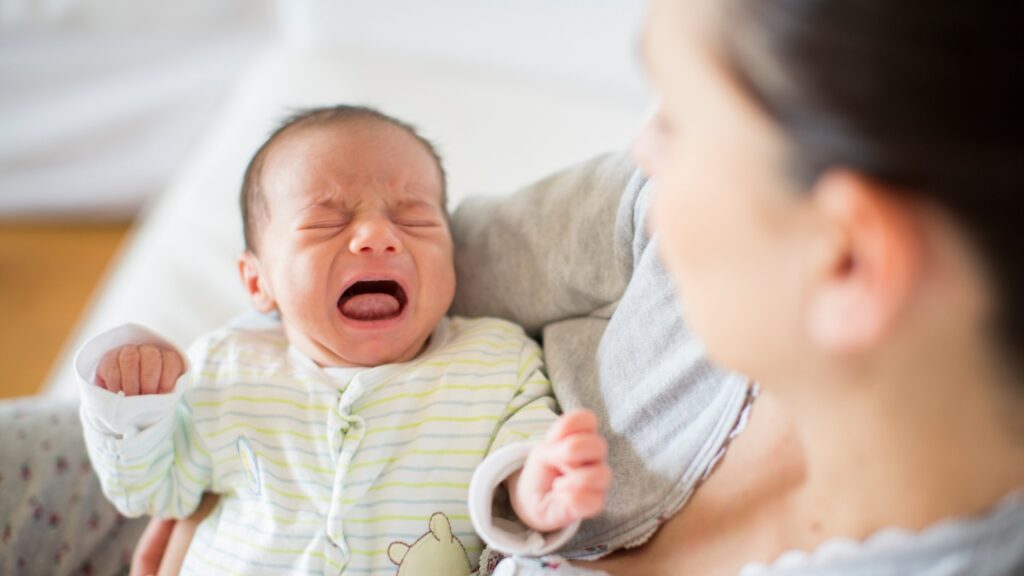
x=125, y=126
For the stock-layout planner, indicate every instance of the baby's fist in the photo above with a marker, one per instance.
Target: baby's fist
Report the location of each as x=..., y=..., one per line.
x=565, y=478
x=145, y=369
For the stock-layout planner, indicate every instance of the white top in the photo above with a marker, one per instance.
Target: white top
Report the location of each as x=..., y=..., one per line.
x=337, y=470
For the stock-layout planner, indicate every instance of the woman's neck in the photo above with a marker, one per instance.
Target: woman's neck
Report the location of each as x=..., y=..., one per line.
x=906, y=450
x=889, y=453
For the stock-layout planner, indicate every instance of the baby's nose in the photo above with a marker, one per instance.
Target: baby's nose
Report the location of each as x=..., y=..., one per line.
x=376, y=236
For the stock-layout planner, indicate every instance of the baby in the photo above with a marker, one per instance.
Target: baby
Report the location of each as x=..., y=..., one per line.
x=343, y=438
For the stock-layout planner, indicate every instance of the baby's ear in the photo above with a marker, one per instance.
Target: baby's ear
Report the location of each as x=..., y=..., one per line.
x=256, y=282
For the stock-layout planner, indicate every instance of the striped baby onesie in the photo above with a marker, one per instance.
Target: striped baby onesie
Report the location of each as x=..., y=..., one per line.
x=337, y=471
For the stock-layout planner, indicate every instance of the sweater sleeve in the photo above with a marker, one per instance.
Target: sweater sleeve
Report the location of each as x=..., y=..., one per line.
x=547, y=252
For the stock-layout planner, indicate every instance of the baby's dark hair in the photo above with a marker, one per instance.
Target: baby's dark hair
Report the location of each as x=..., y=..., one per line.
x=252, y=199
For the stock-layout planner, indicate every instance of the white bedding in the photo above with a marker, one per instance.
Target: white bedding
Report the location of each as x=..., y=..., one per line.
x=499, y=122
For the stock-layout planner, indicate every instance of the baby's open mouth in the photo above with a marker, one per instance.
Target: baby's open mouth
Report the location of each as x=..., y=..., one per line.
x=371, y=300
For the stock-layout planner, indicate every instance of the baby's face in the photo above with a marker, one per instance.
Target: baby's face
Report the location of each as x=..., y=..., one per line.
x=356, y=252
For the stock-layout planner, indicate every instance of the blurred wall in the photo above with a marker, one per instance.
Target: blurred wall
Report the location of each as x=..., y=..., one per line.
x=101, y=99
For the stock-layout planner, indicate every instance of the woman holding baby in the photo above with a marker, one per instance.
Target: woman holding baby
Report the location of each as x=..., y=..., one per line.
x=835, y=183
x=834, y=187
x=834, y=180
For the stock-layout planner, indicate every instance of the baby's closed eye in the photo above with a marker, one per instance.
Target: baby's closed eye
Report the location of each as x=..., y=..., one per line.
x=327, y=224
x=323, y=222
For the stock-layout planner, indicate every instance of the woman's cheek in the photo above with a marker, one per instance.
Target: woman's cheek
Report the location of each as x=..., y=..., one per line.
x=646, y=150
x=665, y=218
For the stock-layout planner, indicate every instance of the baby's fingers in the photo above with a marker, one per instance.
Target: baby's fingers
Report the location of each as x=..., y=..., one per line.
x=582, y=492
x=128, y=361
x=585, y=504
x=567, y=506
x=173, y=368
x=575, y=422
x=145, y=369
x=108, y=374
x=594, y=477
x=578, y=450
x=151, y=367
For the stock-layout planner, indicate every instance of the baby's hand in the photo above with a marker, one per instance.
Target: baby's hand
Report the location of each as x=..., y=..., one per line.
x=142, y=369
x=565, y=478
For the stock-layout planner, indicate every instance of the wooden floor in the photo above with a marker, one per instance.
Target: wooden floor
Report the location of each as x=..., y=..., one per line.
x=47, y=276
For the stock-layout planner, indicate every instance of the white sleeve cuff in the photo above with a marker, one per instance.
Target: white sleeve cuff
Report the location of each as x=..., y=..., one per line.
x=116, y=415
x=508, y=536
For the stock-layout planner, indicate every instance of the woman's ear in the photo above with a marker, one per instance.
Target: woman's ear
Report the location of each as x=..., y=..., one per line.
x=868, y=263
x=255, y=282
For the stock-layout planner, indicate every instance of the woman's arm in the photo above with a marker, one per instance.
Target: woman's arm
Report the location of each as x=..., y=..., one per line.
x=152, y=546
x=573, y=256
x=162, y=546
x=546, y=252
x=181, y=536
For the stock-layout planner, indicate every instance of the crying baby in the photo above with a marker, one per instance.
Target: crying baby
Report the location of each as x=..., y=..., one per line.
x=357, y=419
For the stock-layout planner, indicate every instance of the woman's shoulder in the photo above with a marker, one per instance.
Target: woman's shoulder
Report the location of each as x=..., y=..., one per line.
x=990, y=544
x=735, y=510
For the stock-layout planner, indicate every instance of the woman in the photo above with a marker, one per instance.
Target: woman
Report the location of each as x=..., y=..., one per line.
x=834, y=181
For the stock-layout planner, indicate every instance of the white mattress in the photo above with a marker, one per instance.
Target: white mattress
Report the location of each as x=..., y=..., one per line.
x=497, y=127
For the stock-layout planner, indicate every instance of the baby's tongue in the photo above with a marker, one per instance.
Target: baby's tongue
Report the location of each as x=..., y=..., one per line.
x=373, y=306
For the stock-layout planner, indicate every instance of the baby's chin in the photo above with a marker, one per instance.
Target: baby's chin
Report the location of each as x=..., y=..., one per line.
x=383, y=354
x=367, y=353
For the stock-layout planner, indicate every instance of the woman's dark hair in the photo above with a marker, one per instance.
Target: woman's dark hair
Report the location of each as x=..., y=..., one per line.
x=924, y=96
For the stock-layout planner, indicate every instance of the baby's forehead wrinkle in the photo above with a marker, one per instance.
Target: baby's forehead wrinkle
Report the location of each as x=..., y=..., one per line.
x=336, y=200
x=323, y=203
x=416, y=190
x=354, y=191
x=408, y=201
x=325, y=198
